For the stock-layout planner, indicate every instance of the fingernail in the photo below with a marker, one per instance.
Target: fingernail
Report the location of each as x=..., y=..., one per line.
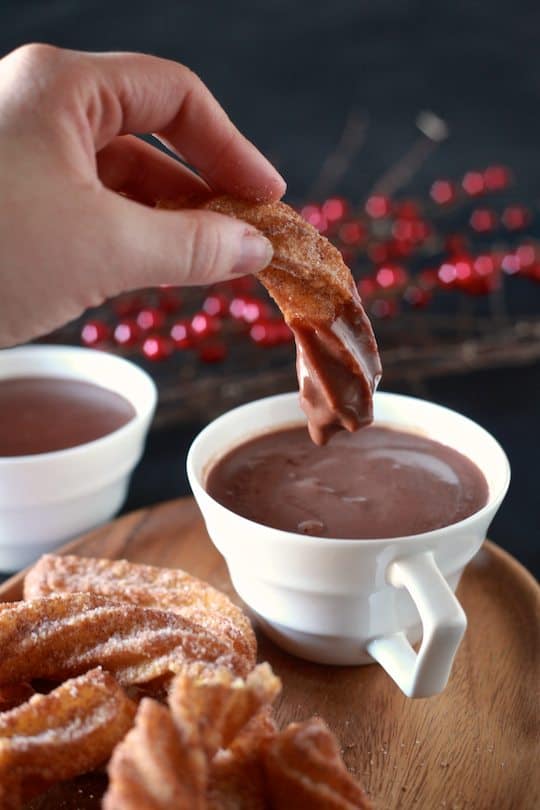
x=255, y=254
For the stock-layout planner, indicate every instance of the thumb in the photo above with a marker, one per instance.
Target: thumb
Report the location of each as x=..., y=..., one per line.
x=147, y=246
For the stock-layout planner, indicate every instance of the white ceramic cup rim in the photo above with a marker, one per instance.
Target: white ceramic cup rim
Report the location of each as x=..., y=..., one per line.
x=142, y=410
x=287, y=538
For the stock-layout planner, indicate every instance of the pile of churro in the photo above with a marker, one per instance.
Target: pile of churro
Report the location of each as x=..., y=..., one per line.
x=152, y=674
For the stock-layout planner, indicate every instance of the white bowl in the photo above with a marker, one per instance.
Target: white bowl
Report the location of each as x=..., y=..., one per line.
x=48, y=498
x=352, y=601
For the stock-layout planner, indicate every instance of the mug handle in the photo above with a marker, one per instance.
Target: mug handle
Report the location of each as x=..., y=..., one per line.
x=443, y=624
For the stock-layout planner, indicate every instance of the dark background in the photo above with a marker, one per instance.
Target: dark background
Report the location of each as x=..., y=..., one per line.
x=288, y=74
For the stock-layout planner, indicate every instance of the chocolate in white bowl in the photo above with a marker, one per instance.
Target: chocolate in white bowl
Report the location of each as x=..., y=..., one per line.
x=46, y=498
x=352, y=601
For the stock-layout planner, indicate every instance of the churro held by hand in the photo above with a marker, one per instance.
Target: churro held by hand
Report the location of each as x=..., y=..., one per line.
x=338, y=364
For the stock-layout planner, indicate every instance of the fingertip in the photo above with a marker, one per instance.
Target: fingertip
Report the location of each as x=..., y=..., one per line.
x=279, y=187
x=267, y=191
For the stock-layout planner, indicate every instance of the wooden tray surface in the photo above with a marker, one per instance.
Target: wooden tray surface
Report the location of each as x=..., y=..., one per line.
x=475, y=746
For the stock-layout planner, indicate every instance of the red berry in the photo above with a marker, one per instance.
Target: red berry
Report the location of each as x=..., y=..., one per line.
x=447, y=274
x=181, y=334
x=314, y=215
x=367, y=287
x=352, y=233
x=95, y=332
x=483, y=220
x=516, y=217
x=204, y=325
x=127, y=332
x=216, y=304
x=150, y=318
x=497, y=178
x=473, y=183
x=526, y=255
x=248, y=309
x=270, y=332
x=378, y=206
x=482, y=278
x=390, y=278
x=510, y=264
x=157, y=347
x=443, y=192
x=334, y=209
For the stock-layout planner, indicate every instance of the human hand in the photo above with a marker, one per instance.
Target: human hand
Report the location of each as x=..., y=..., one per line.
x=68, y=239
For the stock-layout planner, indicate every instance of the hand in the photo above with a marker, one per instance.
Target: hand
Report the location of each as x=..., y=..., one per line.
x=68, y=240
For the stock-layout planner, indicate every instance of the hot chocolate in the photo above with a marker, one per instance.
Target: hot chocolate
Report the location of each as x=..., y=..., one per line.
x=42, y=414
x=378, y=483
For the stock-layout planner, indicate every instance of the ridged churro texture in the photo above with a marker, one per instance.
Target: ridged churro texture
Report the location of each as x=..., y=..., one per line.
x=67, y=732
x=60, y=636
x=217, y=748
x=307, y=277
x=304, y=770
x=166, y=761
x=146, y=586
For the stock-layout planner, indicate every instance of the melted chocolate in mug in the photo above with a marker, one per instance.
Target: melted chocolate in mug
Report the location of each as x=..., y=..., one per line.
x=378, y=483
x=42, y=414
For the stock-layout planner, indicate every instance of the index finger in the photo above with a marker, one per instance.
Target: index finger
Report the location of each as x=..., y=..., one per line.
x=166, y=98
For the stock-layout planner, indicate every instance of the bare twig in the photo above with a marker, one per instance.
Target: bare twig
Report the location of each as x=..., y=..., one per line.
x=338, y=162
x=433, y=131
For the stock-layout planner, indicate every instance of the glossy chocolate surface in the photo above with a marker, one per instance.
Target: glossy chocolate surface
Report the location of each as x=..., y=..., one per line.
x=377, y=483
x=43, y=414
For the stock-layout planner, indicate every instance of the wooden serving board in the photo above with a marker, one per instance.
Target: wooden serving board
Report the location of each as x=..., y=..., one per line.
x=475, y=746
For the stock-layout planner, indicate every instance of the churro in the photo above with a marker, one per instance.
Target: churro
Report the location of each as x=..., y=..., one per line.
x=218, y=749
x=338, y=364
x=148, y=586
x=57, y=736
x=60, y=636
x=304, y=770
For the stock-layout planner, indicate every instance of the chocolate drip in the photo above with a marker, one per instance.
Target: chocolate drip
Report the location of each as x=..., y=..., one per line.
x=338, y=369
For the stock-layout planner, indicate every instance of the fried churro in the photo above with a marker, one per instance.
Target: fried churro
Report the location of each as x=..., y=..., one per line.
x=304, y=770
x=57, y=736
x=156, y=767
x=338, y=364
x=218, y=749
x=166, y=761
x=147, y=586
x=216, y=705
x=57, y=637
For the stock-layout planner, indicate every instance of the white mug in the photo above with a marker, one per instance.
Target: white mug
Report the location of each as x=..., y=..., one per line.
x=48, y=498
x=354, y=601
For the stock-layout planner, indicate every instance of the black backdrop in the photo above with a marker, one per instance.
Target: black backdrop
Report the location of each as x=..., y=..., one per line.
x=288, y=73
